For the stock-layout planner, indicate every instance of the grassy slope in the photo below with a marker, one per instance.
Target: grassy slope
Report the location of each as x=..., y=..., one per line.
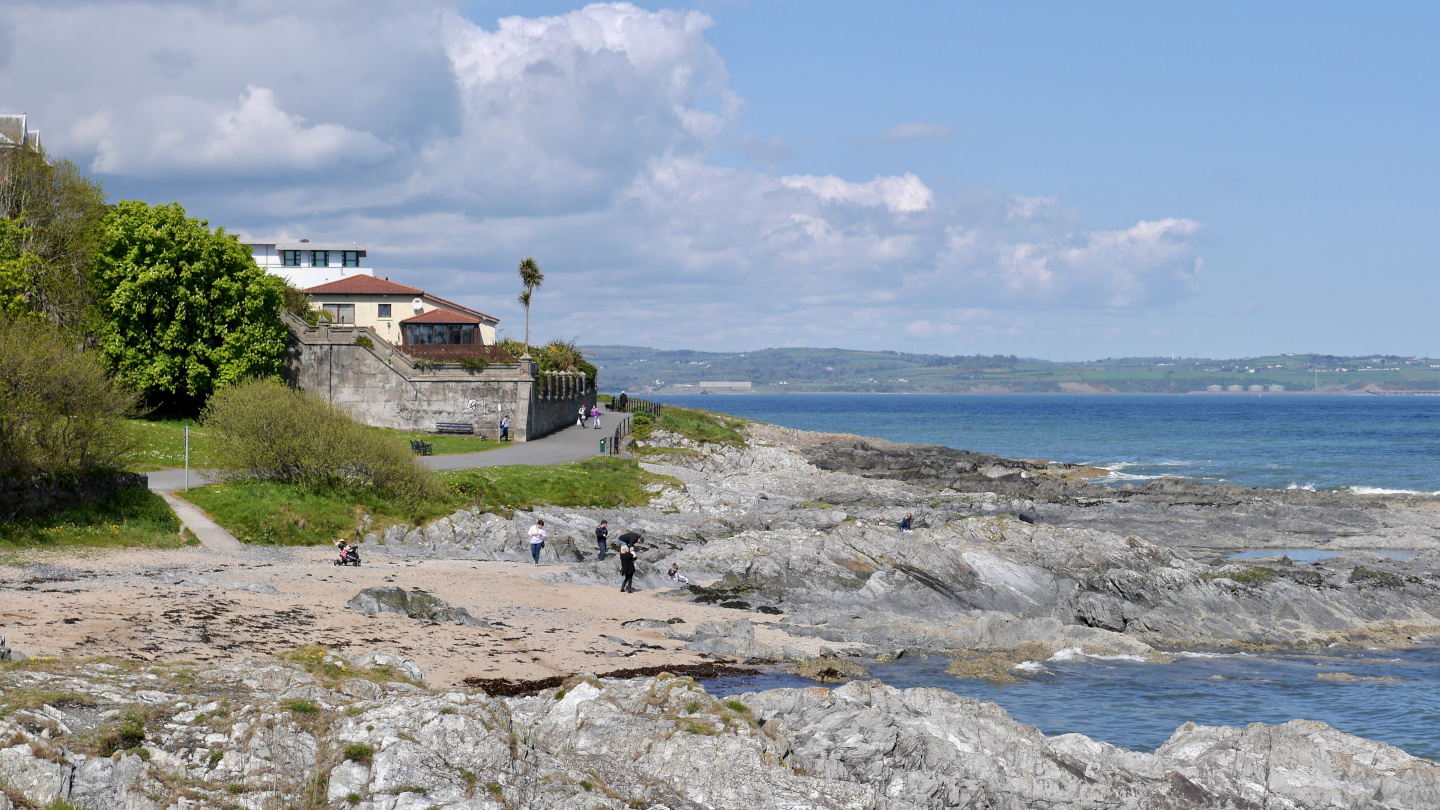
x=161, y=442
x=136, y=517
x=278, y=514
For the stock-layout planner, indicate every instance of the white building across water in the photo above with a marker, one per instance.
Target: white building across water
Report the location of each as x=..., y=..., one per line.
x=310, y=264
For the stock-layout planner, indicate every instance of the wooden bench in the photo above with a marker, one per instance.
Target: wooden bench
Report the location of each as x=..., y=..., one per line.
x=454, y=427
x=422, y=448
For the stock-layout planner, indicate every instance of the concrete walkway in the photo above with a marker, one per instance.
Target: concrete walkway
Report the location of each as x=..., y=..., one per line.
x=574, y=443
x=209, y=533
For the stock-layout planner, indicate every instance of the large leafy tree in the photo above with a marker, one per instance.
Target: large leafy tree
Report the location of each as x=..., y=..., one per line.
x=50, y=222
x=184, y=310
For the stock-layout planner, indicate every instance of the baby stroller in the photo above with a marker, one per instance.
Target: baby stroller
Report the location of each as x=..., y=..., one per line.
x=349, y=555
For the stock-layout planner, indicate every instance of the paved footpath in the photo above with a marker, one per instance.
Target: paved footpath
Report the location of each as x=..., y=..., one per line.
x=574, y=443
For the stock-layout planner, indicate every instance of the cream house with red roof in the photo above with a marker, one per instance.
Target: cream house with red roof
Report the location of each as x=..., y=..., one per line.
x=401, y=314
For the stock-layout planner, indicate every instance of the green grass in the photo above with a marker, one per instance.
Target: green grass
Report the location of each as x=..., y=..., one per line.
x=1245, y=576
x=697, y=425
x=134, y=517
x=161, y=443
x=445, y=444
x=601, y=481
x=267, y=513
x=270, y=514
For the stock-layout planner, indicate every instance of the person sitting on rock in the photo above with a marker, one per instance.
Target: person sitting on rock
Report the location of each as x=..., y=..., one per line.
x=674, y=574
x=905, y=524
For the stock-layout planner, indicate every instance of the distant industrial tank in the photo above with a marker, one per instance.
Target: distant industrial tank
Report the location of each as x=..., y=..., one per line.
x=1235, y=388
x=1257, y=388
x=1214, y=389
x=1276, y=389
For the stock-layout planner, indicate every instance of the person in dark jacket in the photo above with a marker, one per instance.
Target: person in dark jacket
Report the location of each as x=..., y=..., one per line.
x=602, y=536
x=623, y=401
x=905, y=524
x=627, y=568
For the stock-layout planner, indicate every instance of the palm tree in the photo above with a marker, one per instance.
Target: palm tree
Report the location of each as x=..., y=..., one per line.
x=531, y=278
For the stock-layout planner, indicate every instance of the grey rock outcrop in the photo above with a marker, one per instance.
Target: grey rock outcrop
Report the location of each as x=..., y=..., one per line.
x=649, y=742
x=416, y=604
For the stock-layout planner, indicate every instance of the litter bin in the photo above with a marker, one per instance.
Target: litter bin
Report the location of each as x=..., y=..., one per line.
x=602, y=447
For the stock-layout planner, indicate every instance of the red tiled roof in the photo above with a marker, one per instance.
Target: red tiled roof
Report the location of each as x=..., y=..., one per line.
x=437, y=299
x=441, y=316
x=364, y=285
x=370, y=285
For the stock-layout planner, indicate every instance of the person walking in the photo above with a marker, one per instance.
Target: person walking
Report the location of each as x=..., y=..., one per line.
x=537, y=540
x=627, y=568
x=505, y=428
x=624, y=400
x=602, y=537
x=581, y=423
x=595, y=415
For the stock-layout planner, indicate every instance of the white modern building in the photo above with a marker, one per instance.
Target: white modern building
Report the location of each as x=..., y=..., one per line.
x=310, y=264
x=15, y=131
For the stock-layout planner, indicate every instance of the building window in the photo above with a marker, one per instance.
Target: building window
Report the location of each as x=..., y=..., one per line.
x=319, y=258
x=351, y=258
x=340, y=313
x=384, y=310
x=290, y=258
x=440, y=334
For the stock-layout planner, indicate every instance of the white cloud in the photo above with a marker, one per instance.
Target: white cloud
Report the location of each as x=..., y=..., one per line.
x=561, y=112
x=189, y=135
x=900, y=194
x=915, y=131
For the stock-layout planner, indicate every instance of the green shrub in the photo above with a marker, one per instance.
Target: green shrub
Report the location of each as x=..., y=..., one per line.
x=364, y=341
x=352, y=798
x=360, y=752
x=692, y=707
x=585, y=783
x=697, y=425
x=301, y=707
x=122, y=736
x=474, y=363
x=559, y=694
x=493, y=787
x=215, y=756
x=736, y=706
x=59, y=413
x=265, y=430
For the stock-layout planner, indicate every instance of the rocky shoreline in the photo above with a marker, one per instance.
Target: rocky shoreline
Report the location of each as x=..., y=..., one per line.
x=795, y=559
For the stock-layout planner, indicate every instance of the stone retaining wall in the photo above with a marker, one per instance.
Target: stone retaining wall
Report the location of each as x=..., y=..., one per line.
x=45, y=492
x=382, y=386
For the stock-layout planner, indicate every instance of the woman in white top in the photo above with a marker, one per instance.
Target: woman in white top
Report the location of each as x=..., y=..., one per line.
x=537, y=539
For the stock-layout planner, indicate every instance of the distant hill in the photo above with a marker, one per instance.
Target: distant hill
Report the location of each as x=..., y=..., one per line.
x=642, y=370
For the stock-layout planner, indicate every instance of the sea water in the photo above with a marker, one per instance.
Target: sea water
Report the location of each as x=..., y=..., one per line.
x=1366, y=443
x=1361, y=443
x=1385, y=695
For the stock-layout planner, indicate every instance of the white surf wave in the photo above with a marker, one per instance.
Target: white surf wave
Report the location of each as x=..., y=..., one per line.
x=1384, y=491
x=1073, y=653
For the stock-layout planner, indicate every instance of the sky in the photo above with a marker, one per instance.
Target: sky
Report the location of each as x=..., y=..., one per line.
x=1055, y=180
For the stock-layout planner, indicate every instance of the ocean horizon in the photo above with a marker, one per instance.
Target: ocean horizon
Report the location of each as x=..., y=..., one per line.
x=1363, y=443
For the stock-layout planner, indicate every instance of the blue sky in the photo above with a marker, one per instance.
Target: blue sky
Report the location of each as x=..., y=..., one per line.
x=1054, y=180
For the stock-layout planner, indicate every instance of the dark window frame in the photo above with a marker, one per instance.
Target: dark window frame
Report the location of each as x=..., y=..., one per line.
x=350, y=258
x=338, y=312
x=319, y=258
x=289, y=258
x=384, y=311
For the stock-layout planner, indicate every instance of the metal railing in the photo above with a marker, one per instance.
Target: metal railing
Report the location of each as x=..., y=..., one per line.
x=636, y=405
x=616, y=443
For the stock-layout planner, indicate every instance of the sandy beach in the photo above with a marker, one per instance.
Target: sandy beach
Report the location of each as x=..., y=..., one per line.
x=129, y=604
